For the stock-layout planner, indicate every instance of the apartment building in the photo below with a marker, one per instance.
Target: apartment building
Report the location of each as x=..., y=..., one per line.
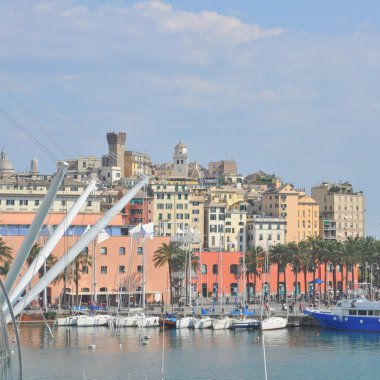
x=137, y=164
x=341, y=210
x=215, y=215
x=263, y=231
x=308, y=216
x=178, y=204
x=282, y=202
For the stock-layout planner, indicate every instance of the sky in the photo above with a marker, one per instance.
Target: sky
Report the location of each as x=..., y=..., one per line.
x=287, y=87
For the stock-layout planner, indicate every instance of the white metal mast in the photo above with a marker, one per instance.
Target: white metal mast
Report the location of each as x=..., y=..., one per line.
x=77, y=248
x=50, y=244
x=35, y=228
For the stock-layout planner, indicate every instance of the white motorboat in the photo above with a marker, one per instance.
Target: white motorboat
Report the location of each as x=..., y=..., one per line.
x=67, y=321
x=274, y=323
x=203, y=323
x=221, y=324
x=185, y=322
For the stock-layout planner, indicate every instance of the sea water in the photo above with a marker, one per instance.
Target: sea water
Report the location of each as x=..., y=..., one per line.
x=294, y=353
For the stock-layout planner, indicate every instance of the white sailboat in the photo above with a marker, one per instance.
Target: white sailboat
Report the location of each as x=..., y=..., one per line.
x=222, y=324
x=185, y=322
x=203, y=323
x=270, y=322
x=67, y=321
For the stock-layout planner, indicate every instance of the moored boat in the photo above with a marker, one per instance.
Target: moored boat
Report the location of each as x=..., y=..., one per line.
x=203, y=323
x=357, y=314
x=222, y=324
x=274, y=323
x=67, y=321
x=168, y=321
x=245, y=323
x=185, y=322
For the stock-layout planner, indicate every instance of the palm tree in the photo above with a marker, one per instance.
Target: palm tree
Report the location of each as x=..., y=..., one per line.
x=349, y=255
x=165, y=255
x=332, y=250
x=296, y=252
x=254, y=259
x=81, y=264
x=4, y=269
x=5, y=257
x=278, y=256
x=314, y=246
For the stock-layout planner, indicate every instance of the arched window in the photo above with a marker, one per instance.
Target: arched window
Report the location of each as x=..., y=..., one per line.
x=233, y=269
x=85, y=289
x=204, y=269
x=215, y=269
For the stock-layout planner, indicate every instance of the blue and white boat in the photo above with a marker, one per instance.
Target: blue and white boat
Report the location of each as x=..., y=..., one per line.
x=358, y=314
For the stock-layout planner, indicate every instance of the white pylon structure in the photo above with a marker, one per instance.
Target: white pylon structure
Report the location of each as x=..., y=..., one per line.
x=50, y=244
x=76, y=249
x=34, y=229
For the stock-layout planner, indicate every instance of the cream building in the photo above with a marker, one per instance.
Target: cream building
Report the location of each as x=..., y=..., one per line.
x=137, y=164
x=265, y=231
x=178, y=204
x=215, y=217
x=227, y=194
x=282, y=202
x=308, y=216
x=341, y=211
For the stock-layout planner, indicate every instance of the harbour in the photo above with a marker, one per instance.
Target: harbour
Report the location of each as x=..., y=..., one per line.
x=293, y=353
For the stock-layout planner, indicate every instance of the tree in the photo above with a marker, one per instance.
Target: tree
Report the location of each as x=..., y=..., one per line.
x=165, y=255
x=278, y=255
x=296, y=252
x=81, y=264
x=332, y=251
x=5, y=257
x=314, y=247
x=254, y=260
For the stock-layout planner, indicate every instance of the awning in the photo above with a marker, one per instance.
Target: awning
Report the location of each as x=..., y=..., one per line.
x=316, y=281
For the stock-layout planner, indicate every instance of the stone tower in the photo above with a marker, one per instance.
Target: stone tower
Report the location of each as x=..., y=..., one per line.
x=116, y=144
x=180, y=157
x=34, y=166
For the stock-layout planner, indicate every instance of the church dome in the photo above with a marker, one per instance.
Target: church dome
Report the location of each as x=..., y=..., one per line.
x=6, y=166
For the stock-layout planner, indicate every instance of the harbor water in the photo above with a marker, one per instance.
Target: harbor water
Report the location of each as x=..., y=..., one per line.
x=294, y=353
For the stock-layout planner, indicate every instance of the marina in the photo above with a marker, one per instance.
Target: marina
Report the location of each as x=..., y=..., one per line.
x=194, y=354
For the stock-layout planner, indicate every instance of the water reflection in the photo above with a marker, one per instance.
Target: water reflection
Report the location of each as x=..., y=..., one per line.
x=195, y=354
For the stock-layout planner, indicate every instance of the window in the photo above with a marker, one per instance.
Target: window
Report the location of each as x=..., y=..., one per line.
x=212, y=216
x=121, y=250
x=23, y=202
x=260, y=237
x=10, y=202
x=85, y=269
x=103, y=250
x=37, y=202
x=204, y=269
x=196, y=212
x=122, y=269
x=103, y=269
x=233, y=269
x=215, y=269
x=103, y=289
x=140, y=268
x=139, y=250
x=234, y=289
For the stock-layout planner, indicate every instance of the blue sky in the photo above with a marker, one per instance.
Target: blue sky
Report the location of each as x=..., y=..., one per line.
x=288, y=87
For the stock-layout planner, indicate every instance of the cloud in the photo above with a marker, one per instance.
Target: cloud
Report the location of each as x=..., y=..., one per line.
x=211, y=25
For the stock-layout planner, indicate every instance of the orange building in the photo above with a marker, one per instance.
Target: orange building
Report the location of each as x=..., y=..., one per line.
x=222, y=270
x=119, y=259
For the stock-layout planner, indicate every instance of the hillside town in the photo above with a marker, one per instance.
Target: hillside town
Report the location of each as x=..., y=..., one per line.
x=234, y=221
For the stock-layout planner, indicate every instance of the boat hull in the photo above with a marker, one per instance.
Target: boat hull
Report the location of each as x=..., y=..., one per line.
x=222, y=324
x=346, y=323
x=167, y=322
x=205, y=323
x=247, y=324
x=273, y=323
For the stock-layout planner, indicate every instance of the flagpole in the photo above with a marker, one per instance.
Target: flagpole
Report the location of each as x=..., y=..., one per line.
x=94, y=299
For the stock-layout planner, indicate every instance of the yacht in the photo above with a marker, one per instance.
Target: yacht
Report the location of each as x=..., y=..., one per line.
x=185, y=322
x=222, y=324
x=203, y=323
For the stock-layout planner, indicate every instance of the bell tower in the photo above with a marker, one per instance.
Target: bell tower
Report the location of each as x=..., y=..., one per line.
x=180, y=161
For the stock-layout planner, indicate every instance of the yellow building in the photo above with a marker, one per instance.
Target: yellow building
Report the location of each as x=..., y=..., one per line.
x=308, y=216
x=227, y=194
x=137, y=164
x=178, y=205
x=282, y=202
